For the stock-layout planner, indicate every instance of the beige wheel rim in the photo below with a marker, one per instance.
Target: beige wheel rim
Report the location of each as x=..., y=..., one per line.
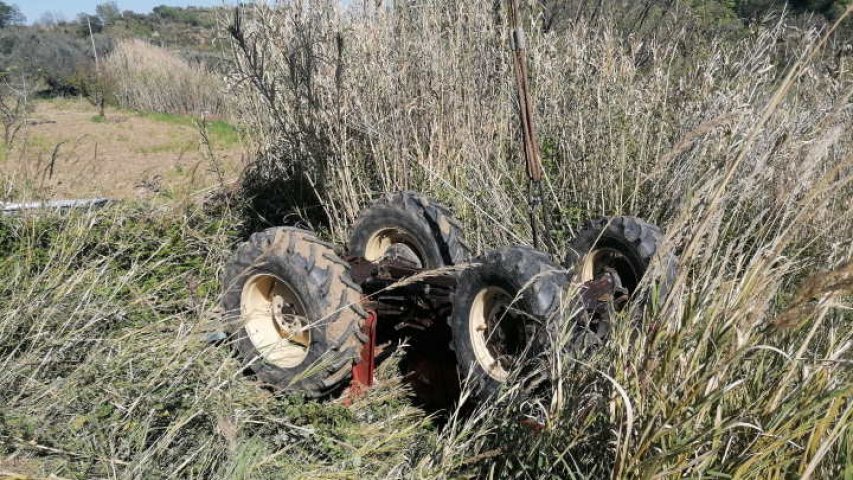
x=274, y=319
x=591, y=264
x=488, y=308
x=380, y=243
x=602, y=260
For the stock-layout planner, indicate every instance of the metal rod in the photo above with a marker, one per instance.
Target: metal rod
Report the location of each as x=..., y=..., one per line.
x=11, y=208
x=528, y=130
x=531, y=145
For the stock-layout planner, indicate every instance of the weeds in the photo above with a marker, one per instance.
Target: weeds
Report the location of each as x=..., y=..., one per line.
x=15, y=107
x=106, y=364
x=735, y=153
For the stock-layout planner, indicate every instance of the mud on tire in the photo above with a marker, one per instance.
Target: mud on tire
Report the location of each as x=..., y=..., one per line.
x=500, y=309
x=285, y=282
x=412, y=226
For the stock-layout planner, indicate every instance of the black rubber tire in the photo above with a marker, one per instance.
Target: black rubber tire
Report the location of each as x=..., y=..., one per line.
x=638, y=241
x=518, y=270
x=321, y=281
x=438, y=236
x=635, y=238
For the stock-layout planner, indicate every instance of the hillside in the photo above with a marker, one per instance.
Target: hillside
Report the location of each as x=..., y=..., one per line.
x=57, y=55
x=150, y=119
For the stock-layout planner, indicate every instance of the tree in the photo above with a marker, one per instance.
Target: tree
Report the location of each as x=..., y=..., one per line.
x=48, y=58
x=10, y=15
x=831, y=9
x=85, y=22
x=14, y=106
x=108, y=12
x=48, y=19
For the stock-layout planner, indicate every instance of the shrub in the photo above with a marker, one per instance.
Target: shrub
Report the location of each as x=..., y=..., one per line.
x=58, y=61
x=150, y=78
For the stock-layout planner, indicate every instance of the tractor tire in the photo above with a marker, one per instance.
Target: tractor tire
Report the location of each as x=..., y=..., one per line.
x=632, y=239
x=501, y=308
x=412, y=226
x=293, y=311
x=627, y=246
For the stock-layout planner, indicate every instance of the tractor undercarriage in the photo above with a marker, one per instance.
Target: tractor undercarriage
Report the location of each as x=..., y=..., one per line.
x=303, y=319
x=306, y=320
x=414, y=305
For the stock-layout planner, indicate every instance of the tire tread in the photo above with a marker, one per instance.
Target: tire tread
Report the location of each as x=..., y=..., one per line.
x=325, y=272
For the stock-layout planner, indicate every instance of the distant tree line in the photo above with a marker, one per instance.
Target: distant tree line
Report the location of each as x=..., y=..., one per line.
x=745, y=9
x=10, y=15
x=56, y=55
x=702, y=22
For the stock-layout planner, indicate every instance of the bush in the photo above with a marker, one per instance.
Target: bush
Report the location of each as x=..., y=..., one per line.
x=191, y=16
x=145, y=77
x=59, y=61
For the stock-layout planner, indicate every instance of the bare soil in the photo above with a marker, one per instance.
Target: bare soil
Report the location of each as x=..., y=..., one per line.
x=68, y=151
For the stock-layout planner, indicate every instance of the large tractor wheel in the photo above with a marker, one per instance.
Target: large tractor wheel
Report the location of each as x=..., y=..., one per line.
x=411, y=226
x=623, y=248
x=293, y=311
x=624, y=245
x=500, y=310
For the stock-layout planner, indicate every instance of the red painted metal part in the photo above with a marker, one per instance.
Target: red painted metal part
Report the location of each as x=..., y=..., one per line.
x=362, y=371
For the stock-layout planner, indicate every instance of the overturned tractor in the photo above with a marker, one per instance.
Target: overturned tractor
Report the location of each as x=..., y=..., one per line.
x=306, y=319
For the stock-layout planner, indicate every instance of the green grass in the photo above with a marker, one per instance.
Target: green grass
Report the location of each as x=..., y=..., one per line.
x=168, y=147
x=39, y=142
x=222, y=134
x=126, y=292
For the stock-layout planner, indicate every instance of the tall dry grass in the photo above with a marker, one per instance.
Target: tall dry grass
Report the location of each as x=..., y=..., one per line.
x=105, y=370
x=740, y=150
x=149, y=78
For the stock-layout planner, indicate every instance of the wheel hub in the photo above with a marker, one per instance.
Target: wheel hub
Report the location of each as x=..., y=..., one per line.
x=601, y=279
x=393, y=243
x=282, y=315
x=602, y=294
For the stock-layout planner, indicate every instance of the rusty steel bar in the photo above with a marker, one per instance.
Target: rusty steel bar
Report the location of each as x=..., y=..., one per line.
x=529, y=139
x=531, y=144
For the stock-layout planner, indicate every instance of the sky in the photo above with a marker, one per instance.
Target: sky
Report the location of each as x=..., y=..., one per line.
x=34, y=9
